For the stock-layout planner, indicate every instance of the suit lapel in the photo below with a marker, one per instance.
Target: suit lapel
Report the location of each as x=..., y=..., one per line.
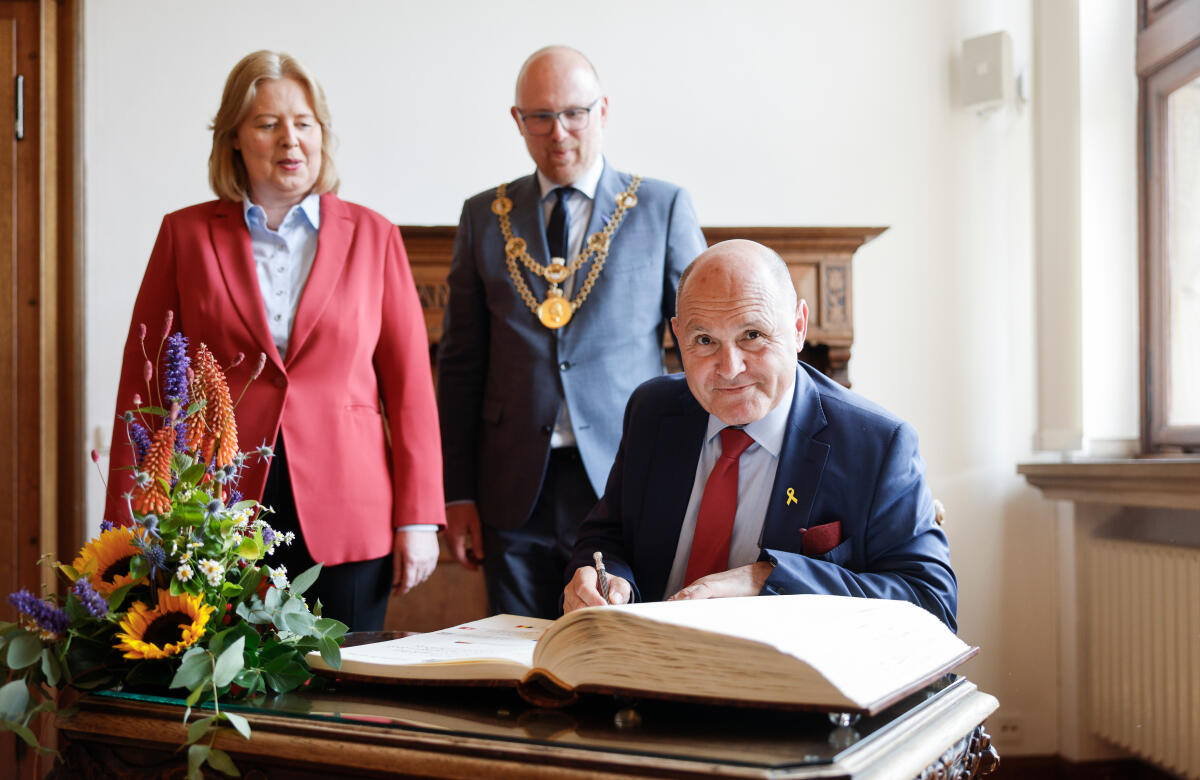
x=801, y=463
x=333, y=247
x=611, y=182
x=669, y=487
x=235, y=258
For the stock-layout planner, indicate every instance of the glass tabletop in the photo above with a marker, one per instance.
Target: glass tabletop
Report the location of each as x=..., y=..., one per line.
x=738, y=736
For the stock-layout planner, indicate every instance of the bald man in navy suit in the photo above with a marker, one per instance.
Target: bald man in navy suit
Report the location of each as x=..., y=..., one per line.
x=830, y=490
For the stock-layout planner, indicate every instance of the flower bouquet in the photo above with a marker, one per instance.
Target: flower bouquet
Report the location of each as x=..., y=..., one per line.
x=182, y=597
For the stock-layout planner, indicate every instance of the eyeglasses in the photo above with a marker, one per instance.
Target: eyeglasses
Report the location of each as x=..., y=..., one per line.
x=572, y=119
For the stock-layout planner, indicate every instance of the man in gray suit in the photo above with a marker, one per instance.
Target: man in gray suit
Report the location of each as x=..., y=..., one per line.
x=560, y=289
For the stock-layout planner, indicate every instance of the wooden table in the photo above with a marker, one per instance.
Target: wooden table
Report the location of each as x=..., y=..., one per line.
x=458, y=732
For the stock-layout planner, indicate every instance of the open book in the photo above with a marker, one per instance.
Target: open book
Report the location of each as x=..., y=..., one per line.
x=806, y=651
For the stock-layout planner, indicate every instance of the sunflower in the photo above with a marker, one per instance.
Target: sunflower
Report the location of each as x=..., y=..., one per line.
x=174, y=625
x=105, y=559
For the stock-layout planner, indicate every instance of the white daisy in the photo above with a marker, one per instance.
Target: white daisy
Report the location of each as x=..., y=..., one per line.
x=183, y=573
x=212, y=571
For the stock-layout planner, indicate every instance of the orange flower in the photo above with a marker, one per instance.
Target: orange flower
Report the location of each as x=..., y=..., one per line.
x=216, y=433
x=152, y=498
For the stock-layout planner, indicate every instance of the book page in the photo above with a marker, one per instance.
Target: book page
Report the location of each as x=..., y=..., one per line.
x=808, y=648
x=498, y=647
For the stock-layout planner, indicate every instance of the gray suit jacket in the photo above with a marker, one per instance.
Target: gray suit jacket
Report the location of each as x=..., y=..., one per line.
x=502, y=375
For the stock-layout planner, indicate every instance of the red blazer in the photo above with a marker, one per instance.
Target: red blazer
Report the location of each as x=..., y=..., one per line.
x=357, y=363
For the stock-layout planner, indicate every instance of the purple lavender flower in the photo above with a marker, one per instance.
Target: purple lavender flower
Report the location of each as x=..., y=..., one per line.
x=175, y=376
x=92, y=601
x=105, y=525
x=180, y=436
x=235, y=496
x=48, y=620
x=268, y=534
x=141, y=442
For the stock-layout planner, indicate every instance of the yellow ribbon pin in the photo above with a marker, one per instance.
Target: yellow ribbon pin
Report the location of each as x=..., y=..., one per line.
x=791, y=497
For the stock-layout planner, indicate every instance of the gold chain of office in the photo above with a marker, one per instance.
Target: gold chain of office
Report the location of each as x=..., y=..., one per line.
x=556, y=310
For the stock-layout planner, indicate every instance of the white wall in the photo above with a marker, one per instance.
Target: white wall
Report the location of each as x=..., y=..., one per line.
x=804, y=113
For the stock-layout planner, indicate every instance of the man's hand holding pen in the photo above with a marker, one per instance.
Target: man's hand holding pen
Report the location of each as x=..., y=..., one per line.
x=584, y=590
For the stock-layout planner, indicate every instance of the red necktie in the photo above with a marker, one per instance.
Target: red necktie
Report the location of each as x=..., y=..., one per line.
x=714, y=523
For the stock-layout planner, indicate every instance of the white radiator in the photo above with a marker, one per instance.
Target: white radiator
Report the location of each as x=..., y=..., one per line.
x=1144, y=646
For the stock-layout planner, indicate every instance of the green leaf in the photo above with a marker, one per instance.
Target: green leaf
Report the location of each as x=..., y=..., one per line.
x=249, y=503
x=23, y=650
x=194, y=696
x=295, y=617
x=249, y=549
x=305, y=580
x=72, y=575
x=254, y=612
x=220, y=761
x=242, y=629
x=193, y=670
x=28, y=737
x=177, y=587
x=197, y=754
x=331, y=653
x=328, y=627
x=273, y=599
x=229, y=663
x=51, y=669
x=14, y=699
x=193, y=474
x=230, y=590
x=249, y=582
x=156, y=410
x=117, y=598
x=198, y=729
x=238, y=722
x=138, y=567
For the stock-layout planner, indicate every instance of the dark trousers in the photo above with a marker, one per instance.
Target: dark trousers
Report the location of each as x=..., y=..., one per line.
x=355, y=593
x=524, y=567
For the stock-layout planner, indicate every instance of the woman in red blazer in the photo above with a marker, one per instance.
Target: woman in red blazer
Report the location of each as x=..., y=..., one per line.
x=280, y=266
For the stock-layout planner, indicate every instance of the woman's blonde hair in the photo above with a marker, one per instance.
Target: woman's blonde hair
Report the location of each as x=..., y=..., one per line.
x=226, y=170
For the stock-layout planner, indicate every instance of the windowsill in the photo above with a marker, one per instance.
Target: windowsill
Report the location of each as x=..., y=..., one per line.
x=1172, y=483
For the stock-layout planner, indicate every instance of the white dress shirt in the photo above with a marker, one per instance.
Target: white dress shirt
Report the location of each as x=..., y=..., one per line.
x=580, y=202
x=756, y=477
x=283, y=259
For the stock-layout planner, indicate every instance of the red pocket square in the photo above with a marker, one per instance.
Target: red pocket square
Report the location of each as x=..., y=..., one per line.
x=820, y=539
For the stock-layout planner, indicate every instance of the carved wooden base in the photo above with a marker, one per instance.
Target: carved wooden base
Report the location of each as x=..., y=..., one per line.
x=972, y=756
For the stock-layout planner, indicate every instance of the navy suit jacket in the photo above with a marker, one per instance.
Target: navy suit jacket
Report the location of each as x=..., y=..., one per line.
x=843, y=458
x=502, y=375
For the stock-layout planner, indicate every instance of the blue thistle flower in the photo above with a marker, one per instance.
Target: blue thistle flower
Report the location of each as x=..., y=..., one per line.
x=141, y=442
x=156, y=557
x=212, y=508
x=175, y=384
x=92, y=601
x=50, y=621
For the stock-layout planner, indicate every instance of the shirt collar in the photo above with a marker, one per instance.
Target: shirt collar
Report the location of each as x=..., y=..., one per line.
x=587, y=183
x=310, y=208
x=767, y=432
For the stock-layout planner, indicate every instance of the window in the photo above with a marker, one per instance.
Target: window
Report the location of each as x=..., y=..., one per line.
x=1168, y=57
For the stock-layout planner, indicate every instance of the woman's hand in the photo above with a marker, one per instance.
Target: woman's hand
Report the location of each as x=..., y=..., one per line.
x=414, y=557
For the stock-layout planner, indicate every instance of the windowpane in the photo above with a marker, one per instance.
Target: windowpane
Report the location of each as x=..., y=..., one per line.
x=1183, y=253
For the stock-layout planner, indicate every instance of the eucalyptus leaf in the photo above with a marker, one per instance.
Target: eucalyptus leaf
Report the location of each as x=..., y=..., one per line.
x=220, y=761
x=305, y=580
x=331, y=653
x=229, y=663
x=238, y=722
x=193, y=671
x=27, y=736
x=198, y=729
x=273, y=599
x=197, y=754
x=194, y=697
x=14, y=700
x=23, y=650
x=51, y=669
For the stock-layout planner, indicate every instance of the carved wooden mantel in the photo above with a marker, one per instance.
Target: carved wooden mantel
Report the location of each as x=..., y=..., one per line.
x=819, y=259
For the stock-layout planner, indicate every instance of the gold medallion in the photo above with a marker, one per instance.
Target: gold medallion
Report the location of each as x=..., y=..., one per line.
x=514, y=247
x=555, y=311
